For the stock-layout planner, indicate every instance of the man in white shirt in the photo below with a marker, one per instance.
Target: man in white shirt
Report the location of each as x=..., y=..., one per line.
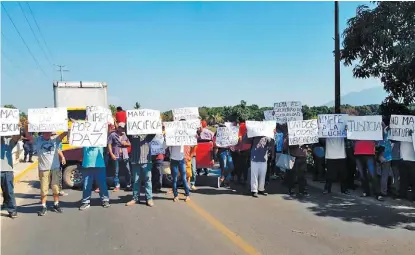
x=407, y=169
x=178, y=164
x=336, y=164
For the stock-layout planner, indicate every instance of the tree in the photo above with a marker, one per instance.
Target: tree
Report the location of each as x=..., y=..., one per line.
x=137, y=105
x=113, y=109
x=10, y=106
x=382, y=40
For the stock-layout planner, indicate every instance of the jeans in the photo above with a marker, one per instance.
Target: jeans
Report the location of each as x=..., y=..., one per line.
x=99, y=175
x=385, y=171
x=366, y=166
x=175, y=167
x=139, y=169
x=226, y=164
x=125, y=163
x=7, y=187
x=28, y=150
x=194, y=172
x=156, y=171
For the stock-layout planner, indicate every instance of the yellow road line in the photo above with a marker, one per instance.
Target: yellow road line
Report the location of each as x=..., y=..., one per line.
x=236, y=239
x=24, y=172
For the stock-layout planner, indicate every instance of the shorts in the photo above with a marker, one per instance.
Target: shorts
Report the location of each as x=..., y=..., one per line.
x=46, y=177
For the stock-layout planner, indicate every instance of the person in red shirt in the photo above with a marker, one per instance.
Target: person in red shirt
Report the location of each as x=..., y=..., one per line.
x=121, y=115
x=365, y=161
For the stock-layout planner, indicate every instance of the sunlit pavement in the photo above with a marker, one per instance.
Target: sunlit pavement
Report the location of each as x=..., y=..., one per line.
x=216, y=221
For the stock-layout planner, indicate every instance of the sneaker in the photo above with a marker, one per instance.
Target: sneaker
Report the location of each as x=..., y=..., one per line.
x=116, y=189
x=193, y=187
x=96, y=190
x=254, y=194
x=63, y=194
x=304, y=194
x=57, y=208
x=30, y=161
x=150, y=203
x=128, y=188
x=346, y=192
x=130, y=203
x=83, y=207
x=364, y=195
x=43, y=211
x=291, y=192
x=325, y=192
x=380, y=198
x=13, y=215
x=263, y=193
x=105, y=204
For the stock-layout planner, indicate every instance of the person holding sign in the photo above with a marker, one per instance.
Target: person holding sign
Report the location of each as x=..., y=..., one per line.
x=93, y=164
x=225, y=160
x=336, y=164
x=384, y=159
x=365, y=161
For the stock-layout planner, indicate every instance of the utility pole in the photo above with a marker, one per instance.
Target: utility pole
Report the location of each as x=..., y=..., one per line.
x=61, y=70
x=336, y=59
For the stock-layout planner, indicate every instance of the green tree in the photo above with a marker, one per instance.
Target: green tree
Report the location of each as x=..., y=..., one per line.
x=382, y=41
x=137, y=105
x=113, y=109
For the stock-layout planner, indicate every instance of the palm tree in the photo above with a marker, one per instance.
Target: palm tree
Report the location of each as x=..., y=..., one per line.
x=137, y=105
x=113, y=109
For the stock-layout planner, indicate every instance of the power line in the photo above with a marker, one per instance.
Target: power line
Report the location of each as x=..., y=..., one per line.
x=33, y=32
x=21, y=37
x=38, y=28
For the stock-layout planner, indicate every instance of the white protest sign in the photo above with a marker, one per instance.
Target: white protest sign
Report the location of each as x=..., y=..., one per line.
x=88, y=134
x=99, y=114
x=48, y=119
x=9, y=121
x=332, y=125
x=302, y=132
x=227, y=136
x=366, y=128
x=181, y=132
x=157, y=145
x=187, y=113
x=143, y=122
x=400, y=127
x=228, y=124
x=284, y=112
x=260, y=128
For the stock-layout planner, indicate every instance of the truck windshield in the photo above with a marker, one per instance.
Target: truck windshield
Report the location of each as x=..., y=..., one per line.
x=77, y=114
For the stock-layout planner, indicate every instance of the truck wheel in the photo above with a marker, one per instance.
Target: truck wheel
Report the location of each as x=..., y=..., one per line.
x=72, y=176
x=167, y=180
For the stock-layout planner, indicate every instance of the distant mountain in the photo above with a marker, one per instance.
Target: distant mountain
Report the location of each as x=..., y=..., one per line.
x=369, y=96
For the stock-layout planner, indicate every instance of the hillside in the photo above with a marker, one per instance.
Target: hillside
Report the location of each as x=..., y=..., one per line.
x=369, y=96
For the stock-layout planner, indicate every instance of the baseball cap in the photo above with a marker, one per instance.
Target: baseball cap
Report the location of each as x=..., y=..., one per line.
x=121, y=125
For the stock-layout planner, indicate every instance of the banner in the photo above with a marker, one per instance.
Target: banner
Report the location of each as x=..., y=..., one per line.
x=302, y=132
x=181, y=132
x=367, y=128
x=99, y=114
x=400, y=127
x=284, y=112
x=143, y=122
x=88, y=134
x=260, y=128
x=157, y=145
x=227, y=136
x=48, y=119
x=9, y=121
x=332, y=125
x=187, y=113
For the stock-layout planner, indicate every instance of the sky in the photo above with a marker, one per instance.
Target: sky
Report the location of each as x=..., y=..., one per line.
x=166, y=55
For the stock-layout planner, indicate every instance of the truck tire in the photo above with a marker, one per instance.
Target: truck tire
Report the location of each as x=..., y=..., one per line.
x=72, y=176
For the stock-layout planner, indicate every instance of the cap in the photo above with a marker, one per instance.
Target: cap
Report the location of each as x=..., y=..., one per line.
x=121, y=125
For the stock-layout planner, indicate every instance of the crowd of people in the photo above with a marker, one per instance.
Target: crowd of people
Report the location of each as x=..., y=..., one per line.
x=384, y=167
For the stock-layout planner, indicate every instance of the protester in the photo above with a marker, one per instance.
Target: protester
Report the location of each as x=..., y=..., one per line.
x=298, y=171
x=194, y=168
x=279, y=145
x=7, y=174
x=27, y=147
x=336, y=164
x=156, y=172
x=244, y=148
x=351, y=164
x=365, y=161
x=204, y=135
x=396, y=163
x=384, y=159
x=117, y=149
x=120, y=115
x=93, y=165
x=319, y=159
x=226, y=164
x=407, y=170
x=141, y=166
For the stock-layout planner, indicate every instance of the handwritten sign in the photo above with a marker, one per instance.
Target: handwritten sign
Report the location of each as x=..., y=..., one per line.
x=157, y=145
x=227, y=136
x=181, y=132
x=260, y=128
x=400, y=127
x=366, y=128
x=188, y=113
x=284, y=112
x=48, y=119
x=143, y=122
x=99, y=114
x=302, y=132
x=332, y=125
x=89, y=134
x=9, y=122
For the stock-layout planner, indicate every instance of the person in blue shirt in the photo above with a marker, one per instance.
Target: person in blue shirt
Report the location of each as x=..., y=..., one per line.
x=384, y=159
x=93, y=165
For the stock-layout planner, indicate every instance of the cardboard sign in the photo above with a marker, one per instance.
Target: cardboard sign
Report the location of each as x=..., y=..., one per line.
x=227, y=136
x=157, y=145
x=260, y=128
x=366, y=128
x=89, y=134
x=143, y=122
x=99, y=114
x=48, y=119
x=332, y=125
x=284, y=112
x=9, y=122
x=188, y=113
x=302, y=132
x=181, y=132
x=400, y=127
x=206, y=134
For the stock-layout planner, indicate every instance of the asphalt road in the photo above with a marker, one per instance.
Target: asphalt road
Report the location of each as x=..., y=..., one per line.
x=216, y=221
